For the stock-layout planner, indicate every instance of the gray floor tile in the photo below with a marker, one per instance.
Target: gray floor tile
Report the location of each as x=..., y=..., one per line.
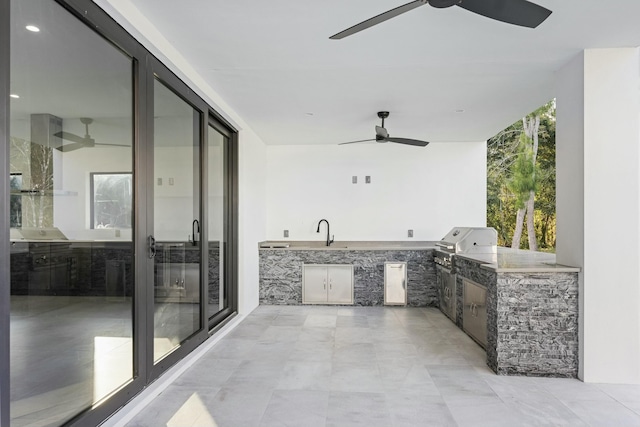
x=357, y=409
x=543, y=411
x=460, y=381
x=415, y=409
x=305, y=375
x=360, y=377
x=371, y=366
x=300, y=408
x=604, y=413
x=321, y=321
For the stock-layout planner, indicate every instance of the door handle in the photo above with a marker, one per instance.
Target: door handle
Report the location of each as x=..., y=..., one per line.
x=152, y=246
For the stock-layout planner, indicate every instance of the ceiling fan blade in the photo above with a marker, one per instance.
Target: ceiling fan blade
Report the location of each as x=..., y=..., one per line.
x=113, y=145
x=407, y=141
x=354, y=142
x=378, y=19
x=517, y=12
x=70, y=137
x=71, y=147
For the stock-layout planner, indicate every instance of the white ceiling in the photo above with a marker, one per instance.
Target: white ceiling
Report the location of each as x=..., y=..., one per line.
x=272, y=61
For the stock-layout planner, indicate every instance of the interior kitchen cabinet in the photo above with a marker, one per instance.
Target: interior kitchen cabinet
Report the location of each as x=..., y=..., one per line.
x=474, y=314
x=327, y=284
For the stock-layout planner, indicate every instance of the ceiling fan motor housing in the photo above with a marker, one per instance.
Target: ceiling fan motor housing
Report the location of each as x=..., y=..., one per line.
x=441, y=4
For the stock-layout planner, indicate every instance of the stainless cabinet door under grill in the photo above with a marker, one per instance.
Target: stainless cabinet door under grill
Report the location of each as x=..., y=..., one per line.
x=474, y=315
x=395, y=283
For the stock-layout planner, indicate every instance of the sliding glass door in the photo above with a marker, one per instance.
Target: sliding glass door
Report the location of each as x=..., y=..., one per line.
x=71, y=215
x=176, y=247
x=121, y=202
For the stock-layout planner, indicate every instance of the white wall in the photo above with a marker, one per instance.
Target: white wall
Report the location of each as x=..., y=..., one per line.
x=599, y=205
x=429, y=190
x=252, y=216
x=569, y=176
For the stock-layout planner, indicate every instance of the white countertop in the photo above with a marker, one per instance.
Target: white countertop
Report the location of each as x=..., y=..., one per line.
x=321, y=245
x=509, y=260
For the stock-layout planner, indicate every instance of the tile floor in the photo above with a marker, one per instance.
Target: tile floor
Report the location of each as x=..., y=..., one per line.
x=308, y=366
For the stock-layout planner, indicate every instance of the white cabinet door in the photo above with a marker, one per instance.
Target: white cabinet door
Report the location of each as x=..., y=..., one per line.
x=340, y=284
x=314, y=284
x=395, y=283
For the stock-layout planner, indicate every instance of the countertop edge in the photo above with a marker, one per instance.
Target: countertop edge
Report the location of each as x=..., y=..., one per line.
x=548, y=269
x=345, y=246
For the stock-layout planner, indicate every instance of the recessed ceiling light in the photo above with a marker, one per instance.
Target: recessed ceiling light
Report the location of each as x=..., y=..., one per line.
x=32, y=28
x=459, y=111
x=309, y=114
x=14, y=95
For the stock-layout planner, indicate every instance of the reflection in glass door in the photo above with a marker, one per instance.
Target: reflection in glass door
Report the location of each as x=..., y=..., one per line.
x=72, y=279
x=217, y=173
x=176, y=221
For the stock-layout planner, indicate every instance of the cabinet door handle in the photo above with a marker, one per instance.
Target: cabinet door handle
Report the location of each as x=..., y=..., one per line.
x=324, y=284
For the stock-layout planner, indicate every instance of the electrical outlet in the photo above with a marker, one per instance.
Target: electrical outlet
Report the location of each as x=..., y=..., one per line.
x=410, y=233
x=286, y=233
x=354, y=179
x=170, y=181
x=367, y=179
x=159, y=181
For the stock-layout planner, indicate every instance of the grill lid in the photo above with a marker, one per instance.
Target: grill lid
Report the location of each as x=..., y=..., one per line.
x=470, y=240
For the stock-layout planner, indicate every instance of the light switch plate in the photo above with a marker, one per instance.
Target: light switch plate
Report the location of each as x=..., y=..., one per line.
x=286, y=233
x=354, y=179
x=410, y=233
x=367, y=179
x=159, y=181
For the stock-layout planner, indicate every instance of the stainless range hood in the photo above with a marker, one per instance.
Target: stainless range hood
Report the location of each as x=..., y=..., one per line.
x=41, y=233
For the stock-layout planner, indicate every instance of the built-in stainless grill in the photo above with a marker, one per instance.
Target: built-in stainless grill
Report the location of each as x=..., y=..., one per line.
x=467, y=240
x=478, y=240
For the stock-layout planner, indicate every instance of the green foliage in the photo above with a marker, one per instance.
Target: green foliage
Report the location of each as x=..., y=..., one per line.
x=523, y=172
x=510, y=177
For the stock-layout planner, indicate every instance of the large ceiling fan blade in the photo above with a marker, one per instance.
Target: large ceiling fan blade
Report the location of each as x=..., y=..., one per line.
x=378, y=19
x=70, y=137
x=517, y=12
x=354, y=142
x=71, y=147
x=407, y=141
x=112, y=145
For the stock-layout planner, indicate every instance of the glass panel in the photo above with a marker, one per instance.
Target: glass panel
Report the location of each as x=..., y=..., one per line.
x=71, y=285
x=217, y=146
x=176, y=209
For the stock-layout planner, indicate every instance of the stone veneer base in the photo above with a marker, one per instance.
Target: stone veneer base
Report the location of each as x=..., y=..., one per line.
x=281, y=274
x=532, y=320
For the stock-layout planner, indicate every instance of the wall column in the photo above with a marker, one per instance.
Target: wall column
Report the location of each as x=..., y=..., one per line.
x=598, y=205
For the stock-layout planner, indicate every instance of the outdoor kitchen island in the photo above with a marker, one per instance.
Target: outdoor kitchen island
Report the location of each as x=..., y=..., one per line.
x=531, y=311
x=531, y=303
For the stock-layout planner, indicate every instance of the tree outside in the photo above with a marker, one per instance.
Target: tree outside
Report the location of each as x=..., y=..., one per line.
x=521, y=182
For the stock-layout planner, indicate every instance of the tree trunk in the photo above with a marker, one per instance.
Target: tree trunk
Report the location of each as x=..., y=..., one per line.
x=517, y=233
x=531, y=127
x=531, y=230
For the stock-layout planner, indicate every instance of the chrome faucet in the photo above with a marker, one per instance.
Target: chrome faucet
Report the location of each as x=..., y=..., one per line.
x=329, y=240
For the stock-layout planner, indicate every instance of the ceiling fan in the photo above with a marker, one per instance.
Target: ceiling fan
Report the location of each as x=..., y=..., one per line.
x=383, y=136
x=516, y=12
x=80, y=141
